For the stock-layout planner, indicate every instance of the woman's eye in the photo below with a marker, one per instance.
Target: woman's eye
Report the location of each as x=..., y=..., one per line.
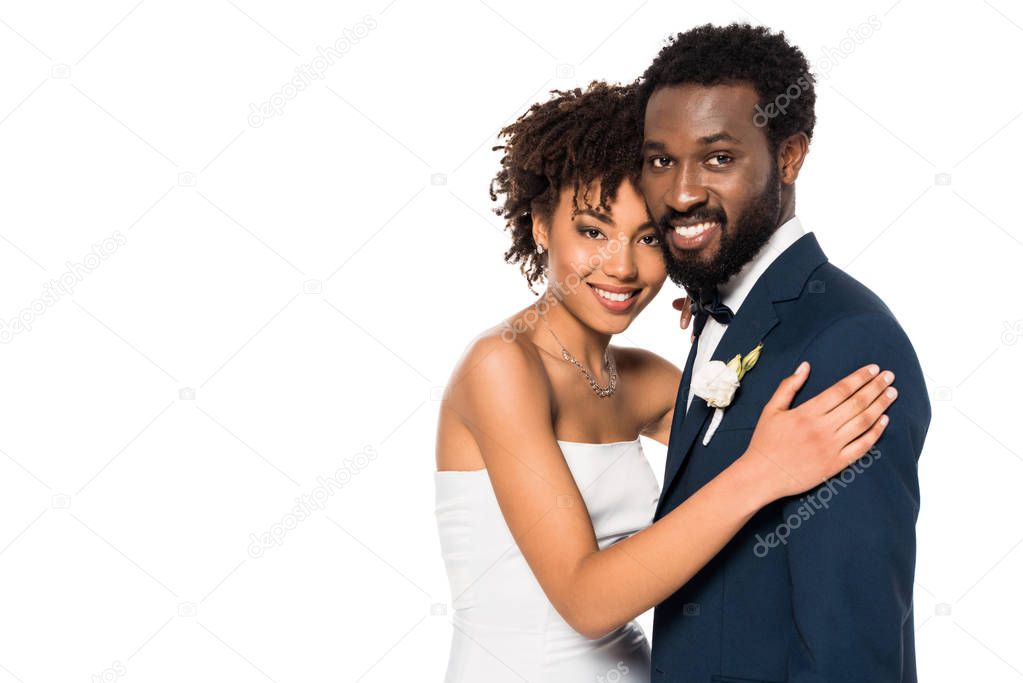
x=650, y=240
x=592, y=233
x=720, y=160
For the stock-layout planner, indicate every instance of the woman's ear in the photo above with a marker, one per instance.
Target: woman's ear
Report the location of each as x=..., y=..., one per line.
x=540, y=232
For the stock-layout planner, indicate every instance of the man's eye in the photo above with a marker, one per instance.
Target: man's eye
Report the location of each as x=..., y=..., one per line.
x=720, y=160
x=659, y=162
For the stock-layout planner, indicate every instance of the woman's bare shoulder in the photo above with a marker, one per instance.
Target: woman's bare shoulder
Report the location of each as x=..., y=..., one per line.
x=646, y=365
x=495, y=373
x=494, y=356
x=653, y=383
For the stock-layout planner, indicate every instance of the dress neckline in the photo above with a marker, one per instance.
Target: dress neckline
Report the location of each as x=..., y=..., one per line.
x=560, y=441
x=593, y=443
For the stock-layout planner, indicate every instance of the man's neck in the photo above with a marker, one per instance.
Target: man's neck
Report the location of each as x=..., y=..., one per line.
x=734, y=291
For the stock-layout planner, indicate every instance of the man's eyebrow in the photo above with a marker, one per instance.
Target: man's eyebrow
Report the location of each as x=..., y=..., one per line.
x=599, y=216
x=653, y=145
x=719, y=137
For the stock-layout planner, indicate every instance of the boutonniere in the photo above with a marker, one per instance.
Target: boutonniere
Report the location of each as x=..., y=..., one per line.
x=716, y=382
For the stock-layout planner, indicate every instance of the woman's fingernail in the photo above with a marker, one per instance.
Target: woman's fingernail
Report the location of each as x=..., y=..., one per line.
x=802, y=368
x=884, y=420
x=892, y=392
x=889, y=377
x=874, y=369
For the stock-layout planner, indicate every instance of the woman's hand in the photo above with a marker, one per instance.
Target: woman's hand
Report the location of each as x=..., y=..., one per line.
x=686, y=316
x=795, y=449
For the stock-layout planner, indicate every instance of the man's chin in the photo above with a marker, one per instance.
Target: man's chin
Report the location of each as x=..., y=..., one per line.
x=693, y=269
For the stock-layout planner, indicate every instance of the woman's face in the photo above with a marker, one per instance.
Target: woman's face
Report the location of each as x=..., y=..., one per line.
x=605, y=268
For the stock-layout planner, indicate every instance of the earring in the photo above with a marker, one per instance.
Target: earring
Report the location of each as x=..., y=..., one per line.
x=539, y=249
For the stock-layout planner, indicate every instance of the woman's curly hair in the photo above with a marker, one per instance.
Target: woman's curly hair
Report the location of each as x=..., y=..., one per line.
x=576, y=137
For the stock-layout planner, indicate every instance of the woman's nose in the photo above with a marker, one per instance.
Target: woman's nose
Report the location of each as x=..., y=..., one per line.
x=621, y=264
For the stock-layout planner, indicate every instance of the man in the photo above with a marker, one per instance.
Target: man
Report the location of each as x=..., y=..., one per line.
x=817, y=587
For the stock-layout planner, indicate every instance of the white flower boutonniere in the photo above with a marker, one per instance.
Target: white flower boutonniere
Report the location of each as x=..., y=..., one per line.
x=716, y=382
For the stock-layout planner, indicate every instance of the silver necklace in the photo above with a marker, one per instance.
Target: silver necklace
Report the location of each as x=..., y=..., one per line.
x=609, y=363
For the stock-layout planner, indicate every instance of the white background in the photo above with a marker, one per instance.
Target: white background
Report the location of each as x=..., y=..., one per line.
x=290, y=294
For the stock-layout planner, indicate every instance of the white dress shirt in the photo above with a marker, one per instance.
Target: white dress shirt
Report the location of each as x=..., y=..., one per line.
x=734, y=291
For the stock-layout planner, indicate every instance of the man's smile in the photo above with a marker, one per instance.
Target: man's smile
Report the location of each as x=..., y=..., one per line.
x=694, y=235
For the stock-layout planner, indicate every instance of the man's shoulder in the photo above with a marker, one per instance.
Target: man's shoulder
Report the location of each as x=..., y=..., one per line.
x=831, y=287
x=839, y=324
x=811, y=293
x=832, y=298
x=836, y=312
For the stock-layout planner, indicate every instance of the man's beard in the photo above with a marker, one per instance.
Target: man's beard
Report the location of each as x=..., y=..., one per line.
x=740, y=241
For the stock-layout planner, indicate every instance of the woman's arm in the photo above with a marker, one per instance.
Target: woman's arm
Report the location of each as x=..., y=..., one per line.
x=504, y=399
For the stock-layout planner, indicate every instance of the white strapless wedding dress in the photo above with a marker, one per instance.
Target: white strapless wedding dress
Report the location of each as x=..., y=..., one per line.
x=505, y=628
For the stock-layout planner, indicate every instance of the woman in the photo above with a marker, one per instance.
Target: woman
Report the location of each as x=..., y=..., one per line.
x=544, y=497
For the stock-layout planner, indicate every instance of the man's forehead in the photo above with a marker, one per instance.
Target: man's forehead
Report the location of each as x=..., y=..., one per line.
x=705, y=110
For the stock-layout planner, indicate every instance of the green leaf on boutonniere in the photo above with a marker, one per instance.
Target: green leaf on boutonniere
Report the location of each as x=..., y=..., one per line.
x=747, y=363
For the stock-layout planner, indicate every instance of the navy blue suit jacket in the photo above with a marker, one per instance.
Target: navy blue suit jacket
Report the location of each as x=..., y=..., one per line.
x=816, y=587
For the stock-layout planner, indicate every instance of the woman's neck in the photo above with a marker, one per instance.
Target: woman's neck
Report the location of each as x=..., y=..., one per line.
x=586, y=344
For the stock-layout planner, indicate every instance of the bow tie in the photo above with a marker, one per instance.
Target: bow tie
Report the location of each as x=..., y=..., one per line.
x=709, y=305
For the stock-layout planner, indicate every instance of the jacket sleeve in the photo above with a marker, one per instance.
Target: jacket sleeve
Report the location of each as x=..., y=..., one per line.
x=851, y=542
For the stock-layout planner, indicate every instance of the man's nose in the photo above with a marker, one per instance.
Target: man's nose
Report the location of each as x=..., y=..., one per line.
x=687, y=192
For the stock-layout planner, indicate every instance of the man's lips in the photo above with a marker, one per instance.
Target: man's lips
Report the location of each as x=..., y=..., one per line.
x=693, y=235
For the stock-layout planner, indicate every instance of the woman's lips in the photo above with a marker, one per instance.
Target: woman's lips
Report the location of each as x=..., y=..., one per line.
x=617, y=299
x=694, y=236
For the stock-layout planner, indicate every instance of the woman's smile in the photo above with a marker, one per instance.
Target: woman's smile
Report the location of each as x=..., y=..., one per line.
x=615, y=298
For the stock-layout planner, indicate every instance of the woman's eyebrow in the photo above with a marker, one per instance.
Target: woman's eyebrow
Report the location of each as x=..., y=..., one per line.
x=599, y=216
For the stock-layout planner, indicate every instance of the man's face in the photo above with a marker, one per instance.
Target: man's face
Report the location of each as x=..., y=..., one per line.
x=710, y=180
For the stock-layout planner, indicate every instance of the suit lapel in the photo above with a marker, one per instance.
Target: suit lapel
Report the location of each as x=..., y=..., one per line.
x=681, y=415
x=783, y=280
x=751, y=324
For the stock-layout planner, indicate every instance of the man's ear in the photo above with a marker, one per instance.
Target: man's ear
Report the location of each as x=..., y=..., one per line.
x=791, y=154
